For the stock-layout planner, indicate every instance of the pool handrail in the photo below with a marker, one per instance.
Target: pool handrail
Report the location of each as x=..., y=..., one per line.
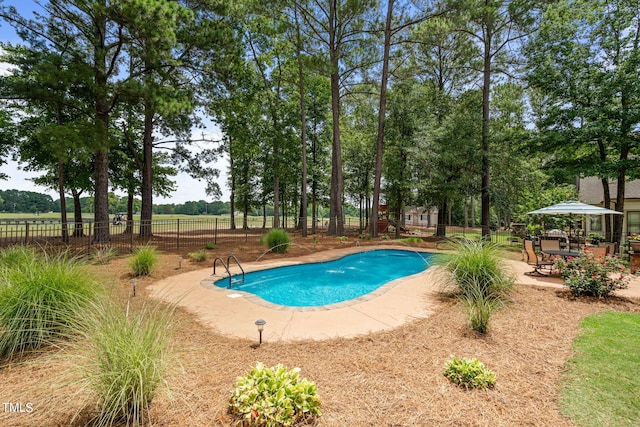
x=226, y=266
x=232, y=256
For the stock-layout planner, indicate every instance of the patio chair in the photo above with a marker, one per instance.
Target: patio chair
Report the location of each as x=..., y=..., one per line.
x=611, y=247
x=536, y=261
x=549, y=245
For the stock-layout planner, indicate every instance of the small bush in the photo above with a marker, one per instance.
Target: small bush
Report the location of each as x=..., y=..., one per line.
x=200, y=256
x=364, y=236
x=480, y=307
x=277, y=240
x=343, y=239
x=143, y=261
x=17, y=256
x=274, y=397
x=477, y=273
x=42, y=301
x=104, y=255
x=477, y=265
x=469, y=373
x=588, y=275
x=210, y=246
x=410, y=240
x=385, y=237
x=125, y=359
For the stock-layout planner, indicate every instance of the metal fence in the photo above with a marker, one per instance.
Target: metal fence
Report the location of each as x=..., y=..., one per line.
x=125, y=236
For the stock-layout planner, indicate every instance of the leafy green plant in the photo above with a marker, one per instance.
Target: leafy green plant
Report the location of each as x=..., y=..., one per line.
x=125, y=359
x=274, y=397
x=385, y=237
x=476, y=266
x=42, y=300
x=410, y=240
x=343, y=239
x=364, y=236
x=277, y=240
x=590, y=275
x=210, y=246
x=469, y=373
x=476, y=271
x=143, y=261
x=479, y=307
x=200, y=256
x=103, y=255
x=16, y=256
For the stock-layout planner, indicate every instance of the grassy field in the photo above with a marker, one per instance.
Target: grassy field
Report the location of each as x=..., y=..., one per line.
x=602, y=386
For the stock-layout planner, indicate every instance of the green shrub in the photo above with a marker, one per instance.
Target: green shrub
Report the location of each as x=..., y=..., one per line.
x=103, y=255
x=200, y=256
x=17, y=256
x=480, y=307
x=125, y=359
x=477, y=265
x=477, y=273
x=274, y=397
x=469, y=373
x=343, y=239
x=364, y=236
x=588, y=275
x=42, y=301
x=143, y=261
x=210, y=246
x=410, y=240
x=277, y=240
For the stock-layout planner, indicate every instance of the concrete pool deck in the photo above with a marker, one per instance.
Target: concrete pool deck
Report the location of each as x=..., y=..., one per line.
x=234, y=313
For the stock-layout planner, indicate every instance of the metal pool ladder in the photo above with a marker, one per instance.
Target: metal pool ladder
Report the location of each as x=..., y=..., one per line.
x=226, y=267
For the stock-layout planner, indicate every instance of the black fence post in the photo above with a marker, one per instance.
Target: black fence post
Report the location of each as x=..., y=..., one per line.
x=178, y=236
x=215, y=233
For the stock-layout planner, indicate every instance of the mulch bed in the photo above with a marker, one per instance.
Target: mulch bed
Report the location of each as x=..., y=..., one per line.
x=392, y=378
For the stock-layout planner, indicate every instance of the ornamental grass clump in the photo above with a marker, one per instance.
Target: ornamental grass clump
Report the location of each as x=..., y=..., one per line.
x=593, y=276
x=477, y=274
x=125, y=359
x=199, y=256
x=469, y=373
x=43, y=299
x=278, y=240
x=143, y=261
x=274, y=397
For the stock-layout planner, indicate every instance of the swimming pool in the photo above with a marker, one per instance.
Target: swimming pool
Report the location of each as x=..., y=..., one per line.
x=324, y=283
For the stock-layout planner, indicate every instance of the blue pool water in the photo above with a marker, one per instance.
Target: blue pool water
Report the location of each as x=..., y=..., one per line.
x=324, y=283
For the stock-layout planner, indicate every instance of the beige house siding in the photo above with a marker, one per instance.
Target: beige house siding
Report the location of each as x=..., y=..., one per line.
x=590, y=191
x=421, y=217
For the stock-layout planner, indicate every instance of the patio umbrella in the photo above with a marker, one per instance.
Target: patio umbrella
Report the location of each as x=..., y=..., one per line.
x=573, y=207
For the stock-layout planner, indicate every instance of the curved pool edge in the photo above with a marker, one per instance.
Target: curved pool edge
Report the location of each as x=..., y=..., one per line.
x=209, y=283
x=408, y=298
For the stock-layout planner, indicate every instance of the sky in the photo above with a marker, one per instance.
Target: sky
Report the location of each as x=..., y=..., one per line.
x=187, y=188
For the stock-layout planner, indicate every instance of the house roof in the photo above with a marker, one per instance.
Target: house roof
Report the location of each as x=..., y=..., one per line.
x=590, y=190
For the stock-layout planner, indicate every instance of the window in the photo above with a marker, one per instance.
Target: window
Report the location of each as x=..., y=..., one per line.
x=633, y=222
x=424, y=217
x=407, y=217
x=596, y=223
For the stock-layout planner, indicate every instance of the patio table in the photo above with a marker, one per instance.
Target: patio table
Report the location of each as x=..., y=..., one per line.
x=563, y=253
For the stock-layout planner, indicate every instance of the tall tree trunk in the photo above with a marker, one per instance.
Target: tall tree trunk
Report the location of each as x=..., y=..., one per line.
x=232, y=196
x=382, y=111
x=146, y=211
x=484, y=149
x=63, y=203
x=102, y=107
x=78, y=229
x=336, y=212
x=303, y=131
x=129, y=227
